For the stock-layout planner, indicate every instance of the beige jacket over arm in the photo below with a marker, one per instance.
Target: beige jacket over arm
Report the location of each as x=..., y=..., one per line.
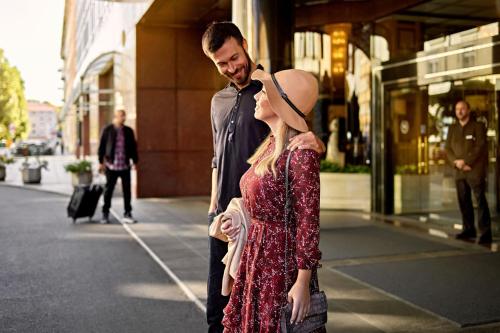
x=238, y=215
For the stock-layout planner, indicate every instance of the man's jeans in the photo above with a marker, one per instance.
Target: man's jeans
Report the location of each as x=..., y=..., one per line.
x=215, y=301
x=111, y=178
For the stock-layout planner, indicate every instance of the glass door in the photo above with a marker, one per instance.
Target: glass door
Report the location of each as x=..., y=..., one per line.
x=424, y=185
x=481, y=94
x=408, y=121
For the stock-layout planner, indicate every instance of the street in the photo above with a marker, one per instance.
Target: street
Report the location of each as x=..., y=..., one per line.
x=59, y=277
x=390, y=109
x=151, y=277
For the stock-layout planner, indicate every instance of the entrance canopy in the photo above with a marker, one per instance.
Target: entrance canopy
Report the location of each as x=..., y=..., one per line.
x=438, y=17
x=98, y=66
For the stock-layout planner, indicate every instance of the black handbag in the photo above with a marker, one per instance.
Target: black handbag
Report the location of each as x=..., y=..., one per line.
x=318, y=313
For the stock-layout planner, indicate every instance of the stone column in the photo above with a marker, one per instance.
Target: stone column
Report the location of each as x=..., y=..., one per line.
x=268, y=27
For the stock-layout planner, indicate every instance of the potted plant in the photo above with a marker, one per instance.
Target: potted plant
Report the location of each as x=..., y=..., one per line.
x=345, y=187
x=81, y=172
x=32, y=171
x=4, y=160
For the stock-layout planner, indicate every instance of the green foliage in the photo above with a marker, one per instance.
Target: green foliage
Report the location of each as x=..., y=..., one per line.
x=12, y=102
x=79, y=167
x=329, y=166
x=6, y=160
x=27, y=163
x=406, y=169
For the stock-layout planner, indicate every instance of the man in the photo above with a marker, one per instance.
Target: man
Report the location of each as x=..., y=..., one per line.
x=116, y=148
x=466, y=149
x=236, y=136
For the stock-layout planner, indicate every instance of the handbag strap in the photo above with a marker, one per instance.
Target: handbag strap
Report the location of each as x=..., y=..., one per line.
x=314, y=286
x=287, y=210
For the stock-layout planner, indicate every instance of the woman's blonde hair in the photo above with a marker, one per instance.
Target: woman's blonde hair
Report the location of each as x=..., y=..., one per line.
x=268, y=163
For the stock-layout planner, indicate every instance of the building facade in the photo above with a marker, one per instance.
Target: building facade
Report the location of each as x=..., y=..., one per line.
x=43, y=120
x=142, y=55
x=389, y=72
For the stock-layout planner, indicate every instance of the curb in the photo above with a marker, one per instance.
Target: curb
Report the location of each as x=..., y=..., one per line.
x=33, y=188
x=432, y=230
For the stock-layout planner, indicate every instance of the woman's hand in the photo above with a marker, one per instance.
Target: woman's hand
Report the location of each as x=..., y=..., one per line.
x=230, y=231
x=300, y=296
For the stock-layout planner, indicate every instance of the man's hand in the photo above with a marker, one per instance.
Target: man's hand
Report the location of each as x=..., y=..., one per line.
x=211, y=216
x=307, y=141
x=212, y=209
x=213, y=196
x=230, y=231
x=102, y=168
x=466, y=168
x=459, y=164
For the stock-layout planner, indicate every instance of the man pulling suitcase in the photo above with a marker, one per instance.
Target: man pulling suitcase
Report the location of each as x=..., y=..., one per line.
x=116, y=148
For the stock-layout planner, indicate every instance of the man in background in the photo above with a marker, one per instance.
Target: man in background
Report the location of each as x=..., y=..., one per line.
x=116, y=148
x=467, y=151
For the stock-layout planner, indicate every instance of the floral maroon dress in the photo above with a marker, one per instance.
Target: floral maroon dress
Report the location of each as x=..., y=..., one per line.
x=259, y=290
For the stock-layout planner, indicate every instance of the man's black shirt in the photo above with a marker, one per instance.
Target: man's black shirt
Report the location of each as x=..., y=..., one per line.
x=237, y=134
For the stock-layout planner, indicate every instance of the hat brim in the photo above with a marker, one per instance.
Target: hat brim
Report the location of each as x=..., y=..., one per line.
x=278, y=104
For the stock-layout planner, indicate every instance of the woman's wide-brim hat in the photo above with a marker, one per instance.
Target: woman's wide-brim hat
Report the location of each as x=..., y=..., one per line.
x=292, y=94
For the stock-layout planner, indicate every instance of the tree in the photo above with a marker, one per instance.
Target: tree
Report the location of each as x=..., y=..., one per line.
x=13, y=113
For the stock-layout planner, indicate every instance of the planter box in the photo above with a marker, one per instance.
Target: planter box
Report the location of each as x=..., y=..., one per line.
x=411, y=193
x=3, y=172
x=349, y=191
x=32, y=175
x=84, y=178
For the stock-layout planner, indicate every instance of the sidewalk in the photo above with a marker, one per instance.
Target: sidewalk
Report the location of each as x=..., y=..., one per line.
x=378, y=277
x=352, y=244
x=55, y=178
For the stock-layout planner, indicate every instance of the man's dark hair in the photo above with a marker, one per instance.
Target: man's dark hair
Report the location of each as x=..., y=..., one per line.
x=216, y=35
x=463, y=101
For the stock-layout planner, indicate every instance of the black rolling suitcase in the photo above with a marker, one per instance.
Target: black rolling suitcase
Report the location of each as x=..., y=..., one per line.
x=84, y=201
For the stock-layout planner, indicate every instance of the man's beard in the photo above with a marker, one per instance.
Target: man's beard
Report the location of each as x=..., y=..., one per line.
x=246, y=71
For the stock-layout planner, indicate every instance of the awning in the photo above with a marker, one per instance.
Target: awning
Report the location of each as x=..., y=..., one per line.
x=98, y=66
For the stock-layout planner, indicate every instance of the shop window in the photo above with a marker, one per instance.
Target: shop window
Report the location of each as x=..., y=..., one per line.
x=469, y=59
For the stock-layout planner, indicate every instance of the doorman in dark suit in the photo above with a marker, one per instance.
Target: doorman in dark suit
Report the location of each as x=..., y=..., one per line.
x=467, y=151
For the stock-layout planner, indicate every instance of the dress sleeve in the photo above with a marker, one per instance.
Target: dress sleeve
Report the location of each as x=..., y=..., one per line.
x=304, y=174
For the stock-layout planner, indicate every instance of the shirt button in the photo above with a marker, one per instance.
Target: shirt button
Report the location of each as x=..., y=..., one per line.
x=239, y=94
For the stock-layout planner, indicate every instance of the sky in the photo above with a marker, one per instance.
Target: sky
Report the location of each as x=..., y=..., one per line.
x=30, y=35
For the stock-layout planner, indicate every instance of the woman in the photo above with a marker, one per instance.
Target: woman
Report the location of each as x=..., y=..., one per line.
x=259, y=294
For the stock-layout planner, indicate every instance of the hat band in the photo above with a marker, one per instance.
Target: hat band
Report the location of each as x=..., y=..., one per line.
x=285, y=97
